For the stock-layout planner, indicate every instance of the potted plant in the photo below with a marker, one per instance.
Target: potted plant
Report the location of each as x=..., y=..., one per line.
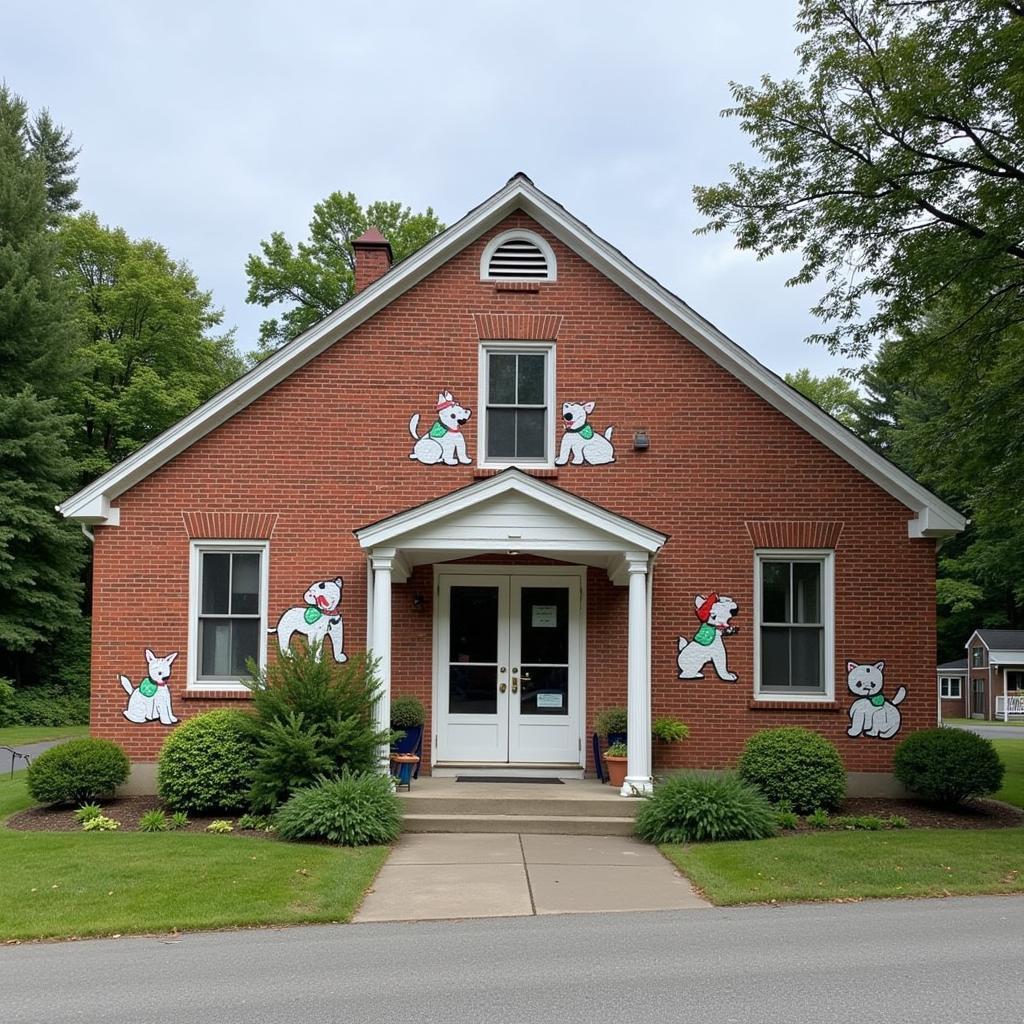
x=610, y=724
x=615, y=760
x=407, y=717
x=669, y=730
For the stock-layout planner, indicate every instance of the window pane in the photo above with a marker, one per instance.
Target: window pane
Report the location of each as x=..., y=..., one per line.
x=544, y=625
x=546, y=692
x=531, y=380
x=245, y=638
x=216, y=580
x=502, y=377
x=501, y=433
x=807, y=591
x=530, y=433
x=774, y=658
x=245, y=584
x=472, y=690
x=806, y=655
x=775, y=591
x=473, y=630
x=215, y=647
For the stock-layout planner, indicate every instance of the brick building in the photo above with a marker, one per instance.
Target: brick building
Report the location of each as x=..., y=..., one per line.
x=536, y=484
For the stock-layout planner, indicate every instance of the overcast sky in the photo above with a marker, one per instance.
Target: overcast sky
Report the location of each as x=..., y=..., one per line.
x=208, y=125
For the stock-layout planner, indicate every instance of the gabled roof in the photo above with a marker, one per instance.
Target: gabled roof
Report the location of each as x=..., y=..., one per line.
x=1000, y=639
x=932, y=516
x=960, y=665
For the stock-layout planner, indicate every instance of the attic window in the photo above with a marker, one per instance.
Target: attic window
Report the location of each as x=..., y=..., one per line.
x=518, y=256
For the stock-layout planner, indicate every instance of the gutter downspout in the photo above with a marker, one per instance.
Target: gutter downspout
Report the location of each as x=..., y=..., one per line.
x=88, y=534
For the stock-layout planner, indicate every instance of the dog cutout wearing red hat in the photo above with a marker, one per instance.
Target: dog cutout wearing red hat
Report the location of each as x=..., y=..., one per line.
x=713, y=613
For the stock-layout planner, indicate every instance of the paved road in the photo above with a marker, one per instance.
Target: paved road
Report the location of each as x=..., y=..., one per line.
x=32, y=749
x=934, y=961
x=994, y=732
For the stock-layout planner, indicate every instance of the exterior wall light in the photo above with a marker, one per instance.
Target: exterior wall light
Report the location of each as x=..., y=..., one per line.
x=641, y=440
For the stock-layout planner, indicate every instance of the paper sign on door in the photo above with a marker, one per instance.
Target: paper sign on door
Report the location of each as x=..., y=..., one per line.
x=549, y=700
x=545, y=616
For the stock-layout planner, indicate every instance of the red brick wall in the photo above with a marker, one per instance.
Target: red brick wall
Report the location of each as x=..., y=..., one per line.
x=326, y=451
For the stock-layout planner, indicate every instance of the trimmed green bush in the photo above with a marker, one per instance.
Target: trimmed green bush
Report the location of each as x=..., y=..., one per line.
x=312, y=719
x=794, y=765
x=669, y=730
x=690, y=808
x=407, y=712
x=948, y=766
x=356, y=809
x=207, y=763
x=77, y=772
x=611, y=720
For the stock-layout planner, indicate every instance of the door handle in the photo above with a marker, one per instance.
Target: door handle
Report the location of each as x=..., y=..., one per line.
x=525, y=678
x=502, y=688
x=515, y=685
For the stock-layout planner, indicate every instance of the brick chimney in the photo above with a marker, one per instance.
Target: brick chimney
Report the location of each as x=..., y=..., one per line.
x=373, y=258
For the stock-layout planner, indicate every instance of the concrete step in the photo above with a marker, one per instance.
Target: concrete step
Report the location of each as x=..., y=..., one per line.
x=530, y=824
x=612, y=806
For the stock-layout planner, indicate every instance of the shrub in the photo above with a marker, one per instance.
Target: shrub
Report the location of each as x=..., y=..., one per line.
x=153, y=821
x=690, y=808
x=6, y=701
x=617, y=750
x=858, y=822
x=77, y=771
x=356, y=809
x=786, y=819
x=179, y=819
x=87, y=812
x=407, y=713
x=669, y=730
x=207, y=763
x=101, y=824
x=948, y=766
x=220, y=827
x=255, y=822
x=611, y=720
x=47, y=704
x=313, y=719
x=796, y=765
x=818, y=818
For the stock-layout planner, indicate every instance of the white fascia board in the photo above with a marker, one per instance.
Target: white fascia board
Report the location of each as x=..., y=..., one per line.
x=935, y=518
x=968, y=644
x=626, y=532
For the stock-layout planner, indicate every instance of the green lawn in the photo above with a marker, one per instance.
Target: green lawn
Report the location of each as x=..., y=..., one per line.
x=978, y=721
x=56, y=885
x=855, y=865
x=1012, y=754
x=18, y=735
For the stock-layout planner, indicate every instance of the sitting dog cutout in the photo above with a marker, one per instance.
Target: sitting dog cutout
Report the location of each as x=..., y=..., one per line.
x=316, y=620
x=150, y=701
x=444, y=442
x=872, y=714
x=714, y=613
x=581, y=441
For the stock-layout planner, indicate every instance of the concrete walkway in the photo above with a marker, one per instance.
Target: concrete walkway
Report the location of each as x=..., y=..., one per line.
x=437, y=876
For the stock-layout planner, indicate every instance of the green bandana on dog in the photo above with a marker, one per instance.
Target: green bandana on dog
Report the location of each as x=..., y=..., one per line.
x=878, y=699
x=312, y=615
x=147, y=687
x=705, y=636
x=586, y=432
x=438, y=430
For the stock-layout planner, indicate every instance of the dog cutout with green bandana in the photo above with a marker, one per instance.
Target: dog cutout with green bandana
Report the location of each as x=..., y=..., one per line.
x=315, y=620
x=707, y=645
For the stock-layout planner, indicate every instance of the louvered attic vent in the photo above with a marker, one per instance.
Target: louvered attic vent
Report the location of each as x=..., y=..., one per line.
x=518, y=257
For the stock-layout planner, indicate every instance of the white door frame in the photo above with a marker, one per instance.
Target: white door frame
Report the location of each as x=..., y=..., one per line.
x=497, y=569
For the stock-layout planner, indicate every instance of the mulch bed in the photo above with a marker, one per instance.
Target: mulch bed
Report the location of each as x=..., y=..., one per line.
x=973, y=814
x=127, y=810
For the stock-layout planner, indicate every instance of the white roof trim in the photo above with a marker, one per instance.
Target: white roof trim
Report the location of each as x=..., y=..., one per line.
x=977, y=634
x=998, y=657
x=629, y=535
x=934, y=518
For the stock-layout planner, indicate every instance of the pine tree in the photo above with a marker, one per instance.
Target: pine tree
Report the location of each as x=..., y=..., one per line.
x=41, y=557
x=52, y=144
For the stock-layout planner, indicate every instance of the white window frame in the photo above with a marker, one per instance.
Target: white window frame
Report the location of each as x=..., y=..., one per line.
x=515, y=347
x=826, y=558
x=946, y=687
x=196, y=550
x=978, y=657
x=505, y=236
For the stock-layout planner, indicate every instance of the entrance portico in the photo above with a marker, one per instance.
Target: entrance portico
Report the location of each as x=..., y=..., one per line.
x=537, y=631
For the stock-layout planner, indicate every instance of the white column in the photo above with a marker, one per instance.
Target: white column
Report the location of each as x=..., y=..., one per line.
x=638, y=684
x=381, y=559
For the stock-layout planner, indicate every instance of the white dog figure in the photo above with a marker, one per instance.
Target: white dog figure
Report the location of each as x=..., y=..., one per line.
x=315, y=620
x=151, y=699
x=871, y=714
x=714, y=613
x=581, y=441
x=444, y=442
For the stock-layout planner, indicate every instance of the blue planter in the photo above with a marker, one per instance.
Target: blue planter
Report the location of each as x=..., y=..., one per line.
x=411, y=742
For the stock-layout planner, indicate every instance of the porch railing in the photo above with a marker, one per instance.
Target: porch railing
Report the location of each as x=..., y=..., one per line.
x=1014, y=705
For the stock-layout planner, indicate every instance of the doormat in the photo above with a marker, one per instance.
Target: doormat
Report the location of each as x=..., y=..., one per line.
x=507, y=778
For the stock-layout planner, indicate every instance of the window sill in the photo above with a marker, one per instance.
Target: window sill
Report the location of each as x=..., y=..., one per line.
x=544, y=472
x=794, y=705
x=517, y=286
x=196, y=694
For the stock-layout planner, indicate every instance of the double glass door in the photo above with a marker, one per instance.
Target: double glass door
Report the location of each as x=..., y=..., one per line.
x=508, y=667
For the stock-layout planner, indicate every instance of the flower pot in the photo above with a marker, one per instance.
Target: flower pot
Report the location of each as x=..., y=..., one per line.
x=410, y=742
x=402, y=766
x=616, y=770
